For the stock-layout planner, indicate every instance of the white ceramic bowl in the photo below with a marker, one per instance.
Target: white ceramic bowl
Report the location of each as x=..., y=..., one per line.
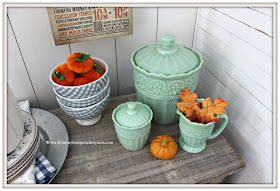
x=86, y=115
x=84, y=91
x=84, y=102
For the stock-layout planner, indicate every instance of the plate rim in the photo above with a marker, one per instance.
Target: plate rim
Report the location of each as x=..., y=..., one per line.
x=22, y=162
x=29, y=146
x=26, y=165
x=51, y=114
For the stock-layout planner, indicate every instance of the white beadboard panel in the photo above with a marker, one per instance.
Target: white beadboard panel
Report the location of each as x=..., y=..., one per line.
x=177, y=21
x=248, y=141
x=241, y=58
x=261, y=60
x=252, y=18
x=18, y=79
x=240, y=30
x=249, y=109
x=225, y=92
x=264, y=10
x=105, y=50
x=245, y=176
x=253, y=93
x=221, y=89
x=33, y=32
x=144, y=33
x=236, y=47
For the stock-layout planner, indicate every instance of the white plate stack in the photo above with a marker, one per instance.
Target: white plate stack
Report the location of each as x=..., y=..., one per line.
x=23, y=139
x=25, y=153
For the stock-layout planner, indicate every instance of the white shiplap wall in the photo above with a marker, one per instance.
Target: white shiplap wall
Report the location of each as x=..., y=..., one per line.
x=35, y=54
x=35, y=41
x=18, y=73
x=236, y=46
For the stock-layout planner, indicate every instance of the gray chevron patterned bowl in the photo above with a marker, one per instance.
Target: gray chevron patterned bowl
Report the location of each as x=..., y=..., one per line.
x=84, y=102
x=84, y=91
x=86, y=112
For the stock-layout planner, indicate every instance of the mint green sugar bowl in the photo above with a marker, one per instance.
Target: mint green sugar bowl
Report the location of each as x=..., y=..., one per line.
x=161, y=73
x=132, y=122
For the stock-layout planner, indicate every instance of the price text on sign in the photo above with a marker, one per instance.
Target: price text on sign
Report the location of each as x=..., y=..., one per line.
x=76, y=24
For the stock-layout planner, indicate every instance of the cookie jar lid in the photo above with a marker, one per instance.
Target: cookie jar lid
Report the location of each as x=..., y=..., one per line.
x=133, y=114
x=166, y=57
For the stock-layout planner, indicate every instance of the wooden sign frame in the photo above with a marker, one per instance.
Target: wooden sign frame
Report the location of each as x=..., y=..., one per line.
x=77, y=24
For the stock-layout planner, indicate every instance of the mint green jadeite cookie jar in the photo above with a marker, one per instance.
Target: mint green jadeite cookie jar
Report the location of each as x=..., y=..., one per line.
x=132, y=122
x=161, y=73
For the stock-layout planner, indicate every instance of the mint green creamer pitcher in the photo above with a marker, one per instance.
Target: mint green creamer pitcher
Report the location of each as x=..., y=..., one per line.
x=194, y=135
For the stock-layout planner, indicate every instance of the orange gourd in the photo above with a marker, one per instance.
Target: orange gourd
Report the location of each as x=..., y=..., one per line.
x=63, y=75
x=79, y=62
x=163, y=147
x=81, y=81
x=95, y=73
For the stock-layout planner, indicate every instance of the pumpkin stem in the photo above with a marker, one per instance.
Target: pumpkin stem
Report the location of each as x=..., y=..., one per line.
x=82, y=57
x=97, y=68
x=164, y=142
x=59, y=75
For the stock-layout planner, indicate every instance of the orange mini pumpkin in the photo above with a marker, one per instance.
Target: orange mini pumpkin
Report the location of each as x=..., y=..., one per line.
x=95, y=73
x=79, y=62
x=163, y=147
x=81, y=81
x=63, y=75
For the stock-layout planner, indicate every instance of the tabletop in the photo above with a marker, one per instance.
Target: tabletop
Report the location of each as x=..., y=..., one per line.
x=107, y=162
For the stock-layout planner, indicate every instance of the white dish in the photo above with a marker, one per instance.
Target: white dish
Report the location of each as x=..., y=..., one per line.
x=25, y=158
x=84, y=102
x=89, y=114
x=86, y=90
x=26, y=163
x=28, y=139
x=51, y=128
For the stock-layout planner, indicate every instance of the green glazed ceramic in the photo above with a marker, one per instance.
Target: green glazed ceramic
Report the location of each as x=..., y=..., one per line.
x=161, y=91
x=166, y=57
x=194, y=135
x=132, y=122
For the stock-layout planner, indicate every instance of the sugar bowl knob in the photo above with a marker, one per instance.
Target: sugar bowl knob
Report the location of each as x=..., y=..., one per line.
x=132, y=109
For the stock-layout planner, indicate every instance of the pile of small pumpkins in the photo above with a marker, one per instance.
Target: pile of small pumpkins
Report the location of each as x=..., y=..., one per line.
x=79, y=70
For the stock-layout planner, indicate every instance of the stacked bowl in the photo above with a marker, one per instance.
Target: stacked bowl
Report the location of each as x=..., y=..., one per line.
x=85, y=103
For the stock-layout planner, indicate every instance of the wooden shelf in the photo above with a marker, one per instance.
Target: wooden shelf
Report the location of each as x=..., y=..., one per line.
x=112, y=164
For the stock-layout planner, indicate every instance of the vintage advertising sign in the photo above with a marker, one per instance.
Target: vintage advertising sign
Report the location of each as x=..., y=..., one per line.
x=76, y=24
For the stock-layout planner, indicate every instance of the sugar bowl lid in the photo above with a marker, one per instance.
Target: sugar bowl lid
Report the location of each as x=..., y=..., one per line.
x=132, y=114
x=166, y=57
